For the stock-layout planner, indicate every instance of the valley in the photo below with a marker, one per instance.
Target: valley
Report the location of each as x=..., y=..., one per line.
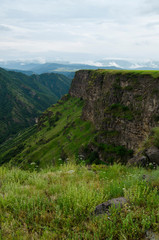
x=23, y=98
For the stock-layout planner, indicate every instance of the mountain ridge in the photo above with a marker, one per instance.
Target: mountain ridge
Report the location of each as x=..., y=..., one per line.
x=24, y=97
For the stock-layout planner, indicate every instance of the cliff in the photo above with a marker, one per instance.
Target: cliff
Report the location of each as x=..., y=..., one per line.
x=123, y=105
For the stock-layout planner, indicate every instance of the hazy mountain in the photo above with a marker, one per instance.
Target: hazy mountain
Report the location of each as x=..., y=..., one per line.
x=66, y=69
x=130, y=64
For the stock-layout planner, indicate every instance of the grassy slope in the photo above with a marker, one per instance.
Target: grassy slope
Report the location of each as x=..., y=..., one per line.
x=23, y=97
x=53, y=141
x=151, y=73
x=57, y=203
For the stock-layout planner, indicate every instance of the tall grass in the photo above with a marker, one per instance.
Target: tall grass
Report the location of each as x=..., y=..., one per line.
x=57, y=203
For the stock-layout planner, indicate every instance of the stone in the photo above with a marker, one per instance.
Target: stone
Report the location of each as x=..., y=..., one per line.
x=104, y=207
x=150, y=235
x=152, y=154
x=138, y=161
x=71, y=171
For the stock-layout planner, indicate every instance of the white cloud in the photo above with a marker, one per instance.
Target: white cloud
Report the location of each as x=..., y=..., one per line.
x=104, y=28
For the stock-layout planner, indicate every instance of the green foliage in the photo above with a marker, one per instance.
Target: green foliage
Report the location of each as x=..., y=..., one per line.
x=120, y=111
x=102, y=153
x=57, y=203
x=128, y=88
x=13, y=152
x=119, y=152
x=110, y=133
x=156, y=118
x=116, y=86
x=139, y=97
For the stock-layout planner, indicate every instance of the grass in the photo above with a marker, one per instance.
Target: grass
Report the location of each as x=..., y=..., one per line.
x=57, y=203
x=152, y=73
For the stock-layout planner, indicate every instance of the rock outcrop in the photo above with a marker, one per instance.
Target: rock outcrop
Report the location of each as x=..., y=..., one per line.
x=122, y=105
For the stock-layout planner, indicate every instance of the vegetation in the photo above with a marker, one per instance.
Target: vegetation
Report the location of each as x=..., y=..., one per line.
x=57, y=203
x=129, y=73
x=118, y=110
x=24, y=97
x=59, y=134
x=128, y=88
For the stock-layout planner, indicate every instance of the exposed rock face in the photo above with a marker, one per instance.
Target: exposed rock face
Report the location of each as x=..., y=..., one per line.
x=123, y=106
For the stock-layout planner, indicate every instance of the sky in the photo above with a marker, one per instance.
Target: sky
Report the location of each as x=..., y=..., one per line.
x=78, y=30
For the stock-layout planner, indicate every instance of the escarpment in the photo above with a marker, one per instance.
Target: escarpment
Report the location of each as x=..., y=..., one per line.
x=123, y=105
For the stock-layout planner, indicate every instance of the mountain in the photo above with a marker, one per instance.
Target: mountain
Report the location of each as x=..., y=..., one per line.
x=20, y=65
x=130, y=64
x=56, y=67
x=66, y=69
x=106, y=117
x=24, y=97
x=29, y=73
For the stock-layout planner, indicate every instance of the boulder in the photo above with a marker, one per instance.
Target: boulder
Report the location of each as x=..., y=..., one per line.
x=150, y=235
x=138, y=161
x=104, y=207
x=152, y=154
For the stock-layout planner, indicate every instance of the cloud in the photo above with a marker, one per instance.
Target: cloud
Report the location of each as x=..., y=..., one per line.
x=4, y=28
x=104, y=28
x=150, y=7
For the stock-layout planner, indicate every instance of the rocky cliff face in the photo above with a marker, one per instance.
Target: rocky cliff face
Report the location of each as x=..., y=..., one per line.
x=123, y=105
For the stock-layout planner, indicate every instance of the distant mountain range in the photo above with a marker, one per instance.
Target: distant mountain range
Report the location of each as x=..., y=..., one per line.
x=131, y=65
x=23, y=98
x=68, y=69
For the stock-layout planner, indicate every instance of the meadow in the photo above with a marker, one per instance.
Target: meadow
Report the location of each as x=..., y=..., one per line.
x=59, y=202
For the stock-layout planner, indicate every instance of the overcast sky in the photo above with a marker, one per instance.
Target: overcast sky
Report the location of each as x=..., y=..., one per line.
x=79, y=29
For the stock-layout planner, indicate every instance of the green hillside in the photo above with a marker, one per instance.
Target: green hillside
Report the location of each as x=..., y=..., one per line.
x=59, y=135
x=23, y=98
